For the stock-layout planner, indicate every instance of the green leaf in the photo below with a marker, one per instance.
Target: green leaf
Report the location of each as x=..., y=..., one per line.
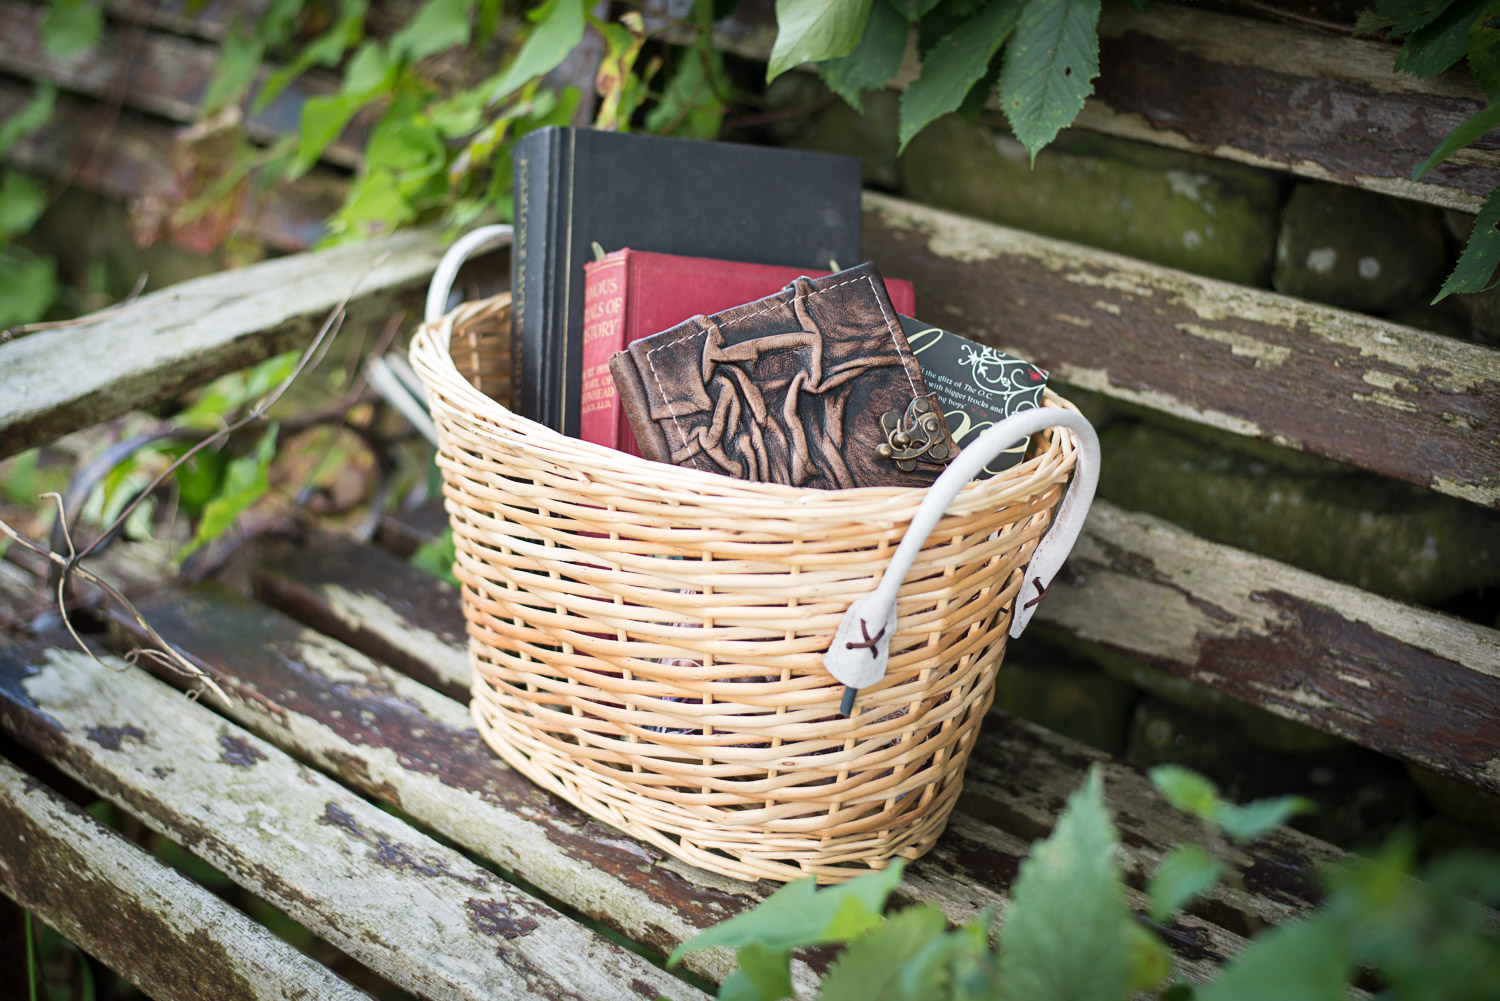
x=1183, y=876
x=1401, y=16
x=439, y=25
x=1301, y=961
x=1186, y=790
x=1248, y=822
x=239, y=58
x=957, y=61
x=799, y=914
x=325, y=50
x=1484, y=49
x=1150, y=962
x=31, y=117
x=914, y=10
x=437, y=557
x=1067, y=930
x=810, y=31
x=22, y=201
x=762, y=974
x=691, y=105
x=28, y=286
x=1432, y=49
x=869, y=968
x=246, y=480
x=873, y=61
x=1470, y=129
x=1476, y=265
x=1050, y=65
x=72, y=26
x=199, y=479
x=559, y=29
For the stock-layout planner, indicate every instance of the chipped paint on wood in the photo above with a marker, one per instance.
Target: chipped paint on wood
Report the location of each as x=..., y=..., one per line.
x=389, y=896
x=159, y=930
x=1390, y=399
x=1403, y=680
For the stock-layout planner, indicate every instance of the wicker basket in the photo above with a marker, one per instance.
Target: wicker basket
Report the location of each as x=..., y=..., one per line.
x=648, y=641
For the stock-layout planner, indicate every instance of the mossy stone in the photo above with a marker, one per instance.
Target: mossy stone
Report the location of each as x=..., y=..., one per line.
x=870, y=135
x=1396, y=540
x=1206, y=216
x=1358, y=249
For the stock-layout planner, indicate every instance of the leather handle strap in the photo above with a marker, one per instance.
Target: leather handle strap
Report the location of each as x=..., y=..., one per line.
x=861, y=646
x=453, y=258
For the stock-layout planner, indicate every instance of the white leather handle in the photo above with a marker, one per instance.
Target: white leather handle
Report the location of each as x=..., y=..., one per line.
x=463, y=248
x=862, y=644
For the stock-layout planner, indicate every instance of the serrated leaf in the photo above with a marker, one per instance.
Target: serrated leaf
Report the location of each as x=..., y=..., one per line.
x=868, y=969
x=873, y=61
x=761, y=974
x=246, y=480
x=810, y=31
x=1430, y=50
x=1248, y=822
x=439, y=25
x=1186, y=790
x=1301, y=961
x=239, y=58
x=72, y=26
x=1184, y=875
x=22, y=201
x=1066, y=932
x=799, y=914
x=1050, y=65
x=559, y=28
x=32, y=116
x=955, y=64
x=1402, y=16
x=1484, y=49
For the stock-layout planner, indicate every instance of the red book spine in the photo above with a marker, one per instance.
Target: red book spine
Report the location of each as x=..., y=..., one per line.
x=603, y=335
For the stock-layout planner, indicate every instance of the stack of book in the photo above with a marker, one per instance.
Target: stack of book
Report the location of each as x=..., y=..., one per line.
x=626, y=238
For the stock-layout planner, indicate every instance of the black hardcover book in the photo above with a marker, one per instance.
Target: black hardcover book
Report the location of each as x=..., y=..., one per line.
x=577, y=187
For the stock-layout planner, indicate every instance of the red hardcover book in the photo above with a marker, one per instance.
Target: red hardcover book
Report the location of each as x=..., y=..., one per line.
x=631, y=294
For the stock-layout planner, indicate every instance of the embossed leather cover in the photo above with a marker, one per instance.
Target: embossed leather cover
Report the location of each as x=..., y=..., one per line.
x=787, y=389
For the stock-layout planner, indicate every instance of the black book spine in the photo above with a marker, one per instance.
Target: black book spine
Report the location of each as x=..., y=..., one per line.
x=561, y=326
x=528, y=273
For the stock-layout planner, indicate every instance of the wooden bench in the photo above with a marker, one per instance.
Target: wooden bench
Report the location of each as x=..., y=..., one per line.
x=346, y=669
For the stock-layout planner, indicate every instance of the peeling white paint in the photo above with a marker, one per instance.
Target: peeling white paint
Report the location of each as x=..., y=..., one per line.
x=1241, y=345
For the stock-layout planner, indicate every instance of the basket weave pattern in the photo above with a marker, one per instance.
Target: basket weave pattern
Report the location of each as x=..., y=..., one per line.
x=647, y=640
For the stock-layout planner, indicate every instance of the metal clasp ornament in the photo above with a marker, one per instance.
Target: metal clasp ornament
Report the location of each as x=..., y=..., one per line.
x=921, y=435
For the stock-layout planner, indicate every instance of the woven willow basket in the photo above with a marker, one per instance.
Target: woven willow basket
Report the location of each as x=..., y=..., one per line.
x=648, y=640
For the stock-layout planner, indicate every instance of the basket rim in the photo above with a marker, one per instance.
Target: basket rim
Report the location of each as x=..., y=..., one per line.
x=431, y=356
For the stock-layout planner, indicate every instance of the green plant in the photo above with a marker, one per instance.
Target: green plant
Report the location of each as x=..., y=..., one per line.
x=1068, y=933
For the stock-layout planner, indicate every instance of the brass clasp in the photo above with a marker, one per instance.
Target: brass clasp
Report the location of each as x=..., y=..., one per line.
x=922, y=434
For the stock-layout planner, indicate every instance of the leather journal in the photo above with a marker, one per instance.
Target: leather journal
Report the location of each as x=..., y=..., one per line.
x=814, y=386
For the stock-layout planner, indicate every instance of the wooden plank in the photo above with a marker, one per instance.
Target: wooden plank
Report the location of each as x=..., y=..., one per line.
x=162, y=74
x=162, y=932
x=170, y=340
x=1020, y=775
x=1408, y=682
x=421, y=915
x=1276, y=96
x=399, y=741
x=1401, y=402
x=133, y=160
x=211, y=20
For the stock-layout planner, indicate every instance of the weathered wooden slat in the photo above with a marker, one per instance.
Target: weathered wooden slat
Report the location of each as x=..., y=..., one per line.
x=159, y=73
x=133, y=158
x=420, y=914
x=161, y=931
x=1017, y=781
x=384, y=733
x=1397, y=401
x=210, y=20
x=70, y=377
x=1416, y=684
